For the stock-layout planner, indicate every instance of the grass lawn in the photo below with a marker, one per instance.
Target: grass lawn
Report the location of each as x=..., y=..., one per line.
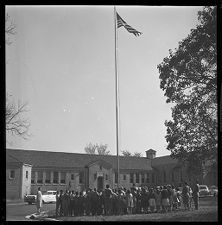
x=208, y=211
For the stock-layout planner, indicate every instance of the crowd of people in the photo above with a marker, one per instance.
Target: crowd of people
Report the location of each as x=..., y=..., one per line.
x=120, y=201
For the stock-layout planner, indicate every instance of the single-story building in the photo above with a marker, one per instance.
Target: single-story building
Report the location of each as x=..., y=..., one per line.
x=26, y=170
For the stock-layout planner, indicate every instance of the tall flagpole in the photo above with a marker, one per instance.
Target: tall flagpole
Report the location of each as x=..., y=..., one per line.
x=117, y=96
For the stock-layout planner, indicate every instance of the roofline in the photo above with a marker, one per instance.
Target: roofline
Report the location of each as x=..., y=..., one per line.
x=83, y=154
x=142, y=157
x=14, y=158
x=26, y=164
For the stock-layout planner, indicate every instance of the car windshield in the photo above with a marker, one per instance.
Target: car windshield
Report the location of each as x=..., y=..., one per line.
x=213, y=187
x=203, y=187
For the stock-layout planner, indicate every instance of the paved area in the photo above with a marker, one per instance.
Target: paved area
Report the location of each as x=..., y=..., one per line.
x=18, y=211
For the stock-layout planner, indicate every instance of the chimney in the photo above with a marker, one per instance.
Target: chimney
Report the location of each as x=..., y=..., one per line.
x=150, y=154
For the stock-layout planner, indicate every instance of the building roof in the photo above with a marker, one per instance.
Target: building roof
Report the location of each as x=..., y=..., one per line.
x=151, y=150
x=76, y=160
x=11, y=159
x=163, y=160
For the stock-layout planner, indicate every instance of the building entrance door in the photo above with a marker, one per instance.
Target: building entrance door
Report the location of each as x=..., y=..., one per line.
x=100, y=183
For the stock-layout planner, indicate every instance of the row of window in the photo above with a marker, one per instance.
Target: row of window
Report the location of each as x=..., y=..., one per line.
x=137, y=178
x=147, y=177
x=12, y=174
x=55, y=177
x=81, y=177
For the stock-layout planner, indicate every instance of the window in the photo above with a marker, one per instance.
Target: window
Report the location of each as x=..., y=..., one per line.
x=164, y=176
x=72, y=176
x=12, y=174
x=142, y=178
x=131, y=178
x=26, y=174
x=47, y=177
x=81, y=177
x=55, y=177
x=124, y=176
x=106, y=177
x=147, y=178
x=137, y=177
x=40, y=177
x=116, y=178
x=153, y=178
x=33, y=177
x=63, y=178
x=100, y=167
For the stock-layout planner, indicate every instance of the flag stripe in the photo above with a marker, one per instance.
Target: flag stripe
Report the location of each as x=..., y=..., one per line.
x=121, y=22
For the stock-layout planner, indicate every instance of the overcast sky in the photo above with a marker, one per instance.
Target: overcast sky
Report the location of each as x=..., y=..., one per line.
x=62, y=63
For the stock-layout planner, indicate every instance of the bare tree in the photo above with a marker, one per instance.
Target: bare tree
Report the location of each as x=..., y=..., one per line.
x=90, y=149
x=102, y=149
x=126, y=153
x=137, y=154
x=15, y=124
x=129, y=154
x=97, y=149
x=10, y=29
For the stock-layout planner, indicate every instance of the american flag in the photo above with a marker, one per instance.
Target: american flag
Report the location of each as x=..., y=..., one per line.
x=121, y=22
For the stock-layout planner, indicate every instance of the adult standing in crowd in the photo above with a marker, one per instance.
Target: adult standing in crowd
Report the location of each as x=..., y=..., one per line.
x=170, y=195
x=94, y=202
x=61, y=203
x=158, y=199
x=72, y=203
x=174, y=198
x=39, y=200
x=186, y=196
x=129, y=201
x=107, y=200
x=58, y=203
x=152, y=200
x=81, y=204
x=65, y=203
x=76, y=204
x=191, y=197
x=196, y=195
x=165, y=199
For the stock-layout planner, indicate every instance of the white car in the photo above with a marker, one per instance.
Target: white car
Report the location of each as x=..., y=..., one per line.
x=213, y=190
x=203, y=190
x=49, y=197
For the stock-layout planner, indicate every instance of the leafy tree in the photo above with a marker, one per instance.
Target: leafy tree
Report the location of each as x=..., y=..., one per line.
x=188, y=79
x=97, y=149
